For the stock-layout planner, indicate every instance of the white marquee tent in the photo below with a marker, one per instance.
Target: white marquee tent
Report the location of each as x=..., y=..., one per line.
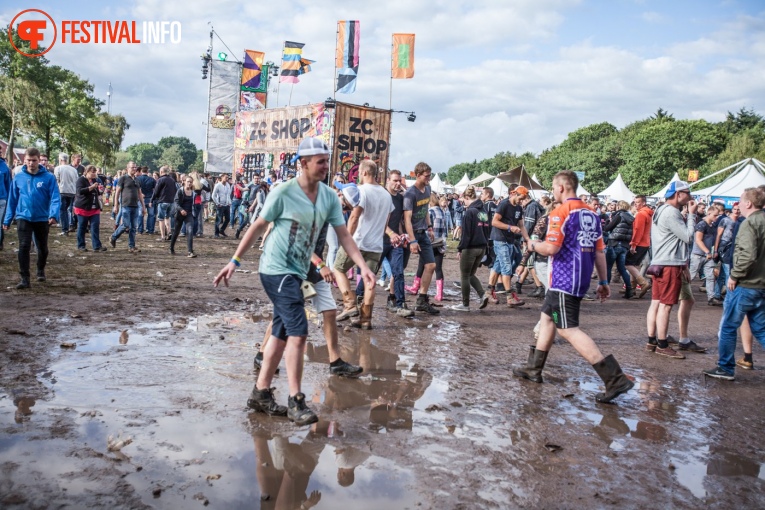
x=660, y=194
x=482, y=178
x=747, y=173
x=536, y=194
x=581, y=191
x=436, y=184
x=499, y=187
x=462, y=184
x=618, y=191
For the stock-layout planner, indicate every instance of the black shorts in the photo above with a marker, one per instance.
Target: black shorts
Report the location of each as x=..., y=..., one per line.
x=562, y=308
x=635, y=259
x=289, y=306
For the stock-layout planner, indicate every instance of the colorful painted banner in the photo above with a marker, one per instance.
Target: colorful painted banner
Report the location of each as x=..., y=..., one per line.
x=402, y=60
x=291, y=62
x=252, y=70
x=360, y=133
x=268, y=139
x=224, y=101
x=347, y=56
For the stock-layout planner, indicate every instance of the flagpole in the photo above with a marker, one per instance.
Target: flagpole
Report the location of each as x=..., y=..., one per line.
x=292, y=87
x=279, y=83
x=334, y=80
x=390, y=93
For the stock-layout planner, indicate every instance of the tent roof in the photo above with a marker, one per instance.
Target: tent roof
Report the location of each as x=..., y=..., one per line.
x=482, y=178
x=618, y=190
x=660, y=193
x=581, y=191
x=520, y=176
x=499, y=187
x=462, y=184
x=436, y=184
x=750, y=174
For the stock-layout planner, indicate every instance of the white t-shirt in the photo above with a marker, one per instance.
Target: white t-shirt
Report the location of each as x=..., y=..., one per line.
x=377, y=204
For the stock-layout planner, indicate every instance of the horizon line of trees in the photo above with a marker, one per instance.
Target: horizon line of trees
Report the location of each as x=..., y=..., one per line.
x=647, y=152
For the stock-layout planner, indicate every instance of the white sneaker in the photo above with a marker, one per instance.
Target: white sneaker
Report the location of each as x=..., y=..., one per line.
x=460, y=308
x=381, y=282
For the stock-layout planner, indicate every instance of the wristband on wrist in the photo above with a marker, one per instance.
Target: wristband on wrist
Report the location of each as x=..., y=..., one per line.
x=236, y=260
x=603, y=282
x=413, y=242
x=320, y=266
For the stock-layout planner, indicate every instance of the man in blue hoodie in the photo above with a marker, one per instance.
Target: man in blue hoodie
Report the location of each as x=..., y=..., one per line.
x=5, y=187
x=34, y=201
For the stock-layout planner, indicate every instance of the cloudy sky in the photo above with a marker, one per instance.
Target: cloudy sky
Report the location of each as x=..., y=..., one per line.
x=491, y=75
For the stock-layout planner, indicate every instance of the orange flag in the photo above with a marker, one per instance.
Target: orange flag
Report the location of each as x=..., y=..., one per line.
x=402, y=60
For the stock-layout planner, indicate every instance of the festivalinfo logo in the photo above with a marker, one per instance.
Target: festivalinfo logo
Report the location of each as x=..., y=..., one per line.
x=38, y=28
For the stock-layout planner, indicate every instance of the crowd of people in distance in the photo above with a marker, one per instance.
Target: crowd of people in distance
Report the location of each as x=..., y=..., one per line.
x=327, y=237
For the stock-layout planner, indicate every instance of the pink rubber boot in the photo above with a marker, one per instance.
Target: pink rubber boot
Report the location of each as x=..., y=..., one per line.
x=439, y=290
x=415, y=286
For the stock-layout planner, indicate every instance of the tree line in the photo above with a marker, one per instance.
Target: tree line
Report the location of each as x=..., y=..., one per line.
x=647, y=152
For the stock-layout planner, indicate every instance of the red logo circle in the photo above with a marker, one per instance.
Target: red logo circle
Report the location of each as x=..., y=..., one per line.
x=33, y=55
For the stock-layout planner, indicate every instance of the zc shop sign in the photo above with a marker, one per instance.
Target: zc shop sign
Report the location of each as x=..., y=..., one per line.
x=360, y=133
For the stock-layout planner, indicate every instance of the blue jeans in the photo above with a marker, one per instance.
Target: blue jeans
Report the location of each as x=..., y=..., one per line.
x=618, y=254
x=130, y=218
x=386, y=272
x=151, y=217
x=82, y=226
x=3, y=205
x=722, y=279
x=739, y=303
x=199, y=219
x=505, y=258
x=396, y=258
x=67, y=202
x=235, y=203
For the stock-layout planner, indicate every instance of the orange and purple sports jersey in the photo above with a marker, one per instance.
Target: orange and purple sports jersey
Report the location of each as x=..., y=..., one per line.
x=576, y=229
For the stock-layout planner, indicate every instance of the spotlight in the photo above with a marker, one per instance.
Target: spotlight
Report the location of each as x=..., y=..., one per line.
x=329, y=103
x=411, y=117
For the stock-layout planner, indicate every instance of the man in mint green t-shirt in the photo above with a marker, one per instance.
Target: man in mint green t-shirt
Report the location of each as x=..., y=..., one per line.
x=298, y=209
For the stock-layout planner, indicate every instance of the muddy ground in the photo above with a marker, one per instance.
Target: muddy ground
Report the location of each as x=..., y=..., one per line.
x=163, y=365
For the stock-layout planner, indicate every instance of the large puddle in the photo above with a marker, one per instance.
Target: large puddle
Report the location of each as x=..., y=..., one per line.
x=169, y=399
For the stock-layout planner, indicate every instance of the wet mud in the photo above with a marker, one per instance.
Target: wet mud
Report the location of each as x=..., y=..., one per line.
x=123, y=383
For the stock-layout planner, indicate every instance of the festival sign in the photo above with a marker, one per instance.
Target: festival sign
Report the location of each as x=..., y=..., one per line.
x=361, y=133
x=268, y=139
x=224, y=99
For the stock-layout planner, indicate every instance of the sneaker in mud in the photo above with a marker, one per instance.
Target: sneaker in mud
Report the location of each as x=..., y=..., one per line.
x=391, y=305
x=513, y=300
x=743, y=363
x=344, y=369
x=650, y=346
x=484, y=301
x=423, y=305
x=669, y=352
x=460, y=308
x=691, y=346
x=258, y=362
x=263, y=402
x=719, y=373
x=404, y=311
x=298, y=412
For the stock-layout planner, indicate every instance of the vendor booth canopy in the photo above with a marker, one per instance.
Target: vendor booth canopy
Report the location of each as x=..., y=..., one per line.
x=660, y=193
x=748, y=173
x=618, y=191
x=536, y=194
x=484, y=177
x=581, y=191
x=520, y=177
x=436, y=184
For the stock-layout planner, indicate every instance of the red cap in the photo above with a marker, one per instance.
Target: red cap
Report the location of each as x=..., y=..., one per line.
x=521, y=190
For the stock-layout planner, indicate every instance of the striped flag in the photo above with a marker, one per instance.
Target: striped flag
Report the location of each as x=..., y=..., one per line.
x=252, y=70
x=291, y=62
x=402, y=60
x=347, y=55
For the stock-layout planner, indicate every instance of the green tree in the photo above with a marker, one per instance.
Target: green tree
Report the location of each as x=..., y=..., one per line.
x=186, y=148
x=653, y=153
x=20, y=100
x=121, y=160
x=744, y=120
x=198, y=165
x=145, y=154
x=111, y=132
x=173, y=157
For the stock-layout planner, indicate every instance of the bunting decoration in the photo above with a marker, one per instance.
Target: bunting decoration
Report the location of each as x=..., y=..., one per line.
x=347, y=56
x=252, y=70
x=402, y=60
x=292, y=62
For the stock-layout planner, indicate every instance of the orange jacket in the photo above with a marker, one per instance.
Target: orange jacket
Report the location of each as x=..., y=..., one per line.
x=641, y=228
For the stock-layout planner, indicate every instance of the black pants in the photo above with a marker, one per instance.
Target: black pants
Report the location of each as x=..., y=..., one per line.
x=40, y=231
x=439, y=265
x=222, y=218
x=188, y=220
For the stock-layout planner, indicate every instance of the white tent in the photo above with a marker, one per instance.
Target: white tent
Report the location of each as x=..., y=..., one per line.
x=746, y=174
x=462, y=184
x=581, y=191
x=436, y=184
x=618, y=191
x=536, y=194
x=409, y=182
x=499, y=187
x=482, y=178
x=660, y=194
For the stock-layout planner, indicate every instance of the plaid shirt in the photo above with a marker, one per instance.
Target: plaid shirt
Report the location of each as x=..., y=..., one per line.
x=440, y=222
